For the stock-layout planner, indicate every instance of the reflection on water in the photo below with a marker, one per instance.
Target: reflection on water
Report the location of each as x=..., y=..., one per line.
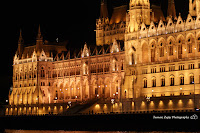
x=60, y=131
x=38, y=131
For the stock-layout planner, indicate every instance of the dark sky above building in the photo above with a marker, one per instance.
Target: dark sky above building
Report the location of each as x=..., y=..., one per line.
x=73, y=20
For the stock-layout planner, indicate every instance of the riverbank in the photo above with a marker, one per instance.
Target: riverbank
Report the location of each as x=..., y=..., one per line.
x=177, y=121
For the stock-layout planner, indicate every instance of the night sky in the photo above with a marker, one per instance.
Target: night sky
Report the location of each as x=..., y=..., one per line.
x=73, y=21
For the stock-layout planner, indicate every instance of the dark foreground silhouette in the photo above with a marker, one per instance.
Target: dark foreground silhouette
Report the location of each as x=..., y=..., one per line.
x=180, y=121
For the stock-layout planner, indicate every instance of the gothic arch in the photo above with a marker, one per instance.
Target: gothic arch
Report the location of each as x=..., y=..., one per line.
x=60, y=91
x=171, y=39
x=67, y=90
x=78, y=90
x=179, y=38
x=107, y=83
x=153, y=50
x=161, y=40
x=131, y=57
x=152, y=41
x=190, y=39
x=72, y=88
x=145, y=53
x=198, y=35
x=190, y=36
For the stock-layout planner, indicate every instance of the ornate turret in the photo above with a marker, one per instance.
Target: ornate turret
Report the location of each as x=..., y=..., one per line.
x=134, y=3
x=139, y=13
x=138, y=8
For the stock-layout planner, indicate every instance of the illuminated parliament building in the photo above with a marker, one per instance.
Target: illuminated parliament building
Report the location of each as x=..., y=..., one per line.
x=143, y=60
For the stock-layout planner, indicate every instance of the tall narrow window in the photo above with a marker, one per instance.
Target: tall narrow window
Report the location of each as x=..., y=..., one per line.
x=162, y=52
x=172, y=81
x=182, y=80
x=154, y=82
x=152, y=55
x=190, y=47
x=192, y=79
x=170, y=50
x=163, y=81
x=133, y=59
x=180, y=51
x=42, y=72
x=145, y=83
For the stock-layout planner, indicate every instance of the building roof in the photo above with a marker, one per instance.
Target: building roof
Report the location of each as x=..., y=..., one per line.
x=49, y=48
x=158, y=13
x=119, y=14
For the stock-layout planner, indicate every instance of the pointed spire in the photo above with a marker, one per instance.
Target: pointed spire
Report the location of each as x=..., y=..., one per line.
x=39, y=36
x=20, y=44
x=20, y=41
x=39, y=41
x=171, y=9
x=104, y=10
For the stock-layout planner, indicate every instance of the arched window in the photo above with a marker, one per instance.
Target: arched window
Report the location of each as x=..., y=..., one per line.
x=145, y=83
x=170, y=50
x=162, y=81
x=189, y=45
x=172, y=80
x=42, y=72
x=191, y=79
x=180, y=49
x=162, y=52
x=153, y=53
x=154, y=82
x=181, y=80
x=56, y=97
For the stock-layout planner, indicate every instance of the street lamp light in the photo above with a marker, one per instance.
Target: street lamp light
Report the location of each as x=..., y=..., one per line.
x=148, y=101
x=112, y=102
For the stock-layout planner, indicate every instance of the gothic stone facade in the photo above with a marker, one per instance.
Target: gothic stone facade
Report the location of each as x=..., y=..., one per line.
x=158, y=68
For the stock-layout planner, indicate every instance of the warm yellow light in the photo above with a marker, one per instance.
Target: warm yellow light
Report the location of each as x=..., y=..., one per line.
x=151, y=103
x=105, y=106
x=190, y=101
x=97, y=106
x=170, y=102
x=180, y=102
x=143, y=103
x=161, y=103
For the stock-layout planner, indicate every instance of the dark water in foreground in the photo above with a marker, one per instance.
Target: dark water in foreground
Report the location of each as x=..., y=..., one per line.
x=60, y=131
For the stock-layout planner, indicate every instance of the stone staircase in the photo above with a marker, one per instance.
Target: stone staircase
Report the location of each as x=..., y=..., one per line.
x=76, y=108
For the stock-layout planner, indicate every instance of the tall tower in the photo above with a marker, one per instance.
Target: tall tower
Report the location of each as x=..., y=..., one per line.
x=171, y=12
x=194, y=7
x=101, y=22
x=139, y=13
